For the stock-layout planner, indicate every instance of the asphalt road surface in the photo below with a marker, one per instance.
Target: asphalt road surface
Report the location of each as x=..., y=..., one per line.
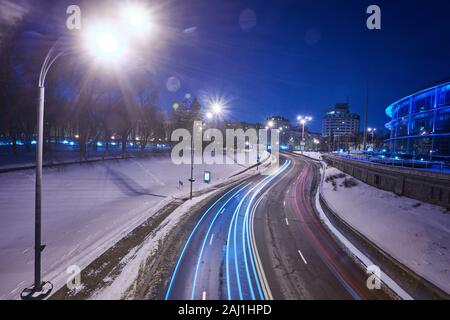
x=261, y=240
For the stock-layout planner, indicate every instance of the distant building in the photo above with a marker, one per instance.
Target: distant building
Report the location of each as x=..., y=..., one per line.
x=340, y=122
x=283, y=125
x=420, y=125
x=278, y=122
x=239, y=125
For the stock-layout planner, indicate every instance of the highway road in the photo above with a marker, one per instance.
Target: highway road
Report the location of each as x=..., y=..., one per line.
x=261, y=240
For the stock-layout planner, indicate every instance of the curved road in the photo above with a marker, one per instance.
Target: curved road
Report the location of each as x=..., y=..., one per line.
x=261, y=240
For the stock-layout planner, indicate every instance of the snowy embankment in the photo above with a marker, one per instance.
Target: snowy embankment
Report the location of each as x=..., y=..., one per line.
x=86, y=209
x=310, y=154
x=416, y=234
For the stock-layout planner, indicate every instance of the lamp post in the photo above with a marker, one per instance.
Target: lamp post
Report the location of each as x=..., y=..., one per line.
x=303, y=121
x=372, y=131
x=191, y=180
x=39, y=289
x=216, y=109
x=108, y=45
x=316, y=143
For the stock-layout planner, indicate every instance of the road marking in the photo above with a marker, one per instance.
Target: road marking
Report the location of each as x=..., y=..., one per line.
x=259, y=267
x=287, y=221
x=303, y=258
x=211, y=240
x=204, y=295
x=222, y=211
x=284, y=203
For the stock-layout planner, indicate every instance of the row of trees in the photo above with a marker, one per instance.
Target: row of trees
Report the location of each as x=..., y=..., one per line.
x=79, y=104
x=91, y=104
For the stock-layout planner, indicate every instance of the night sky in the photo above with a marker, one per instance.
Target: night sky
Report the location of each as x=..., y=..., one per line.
x=297, y=57
x=301, y=57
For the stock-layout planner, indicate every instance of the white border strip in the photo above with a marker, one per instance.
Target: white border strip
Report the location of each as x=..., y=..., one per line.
x=388, y=281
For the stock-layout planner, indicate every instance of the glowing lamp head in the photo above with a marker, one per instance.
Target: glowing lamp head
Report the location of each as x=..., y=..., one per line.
x=209, y=115
x=105, y=44
x=134, y=17
x=216, y=108
x=138, y=19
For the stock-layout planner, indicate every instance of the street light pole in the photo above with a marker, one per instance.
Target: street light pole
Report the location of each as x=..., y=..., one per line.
x=372, y=131
x=257, y=146
x=303, y=121
x=373, y=139
x=40, y=289
x=303, y=131
x=191, y=180
x=38, y=193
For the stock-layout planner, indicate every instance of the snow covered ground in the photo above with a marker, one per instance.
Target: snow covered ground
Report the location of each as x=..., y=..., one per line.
x=86, y=209
x=416, y=234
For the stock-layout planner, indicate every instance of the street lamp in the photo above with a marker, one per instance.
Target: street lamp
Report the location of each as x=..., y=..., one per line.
x=105, y=45
x=217, y=108
x=303, y=121
x=316, y=142
x=372, y=131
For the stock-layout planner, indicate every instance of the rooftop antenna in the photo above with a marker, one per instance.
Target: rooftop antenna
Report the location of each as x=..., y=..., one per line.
x=366, y=118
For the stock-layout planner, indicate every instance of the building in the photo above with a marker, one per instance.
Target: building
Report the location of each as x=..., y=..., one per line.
x=340, y=122
x=278, y=122
x=234, y=125
x=340, y=127
x=283, y=126
x=420, y=125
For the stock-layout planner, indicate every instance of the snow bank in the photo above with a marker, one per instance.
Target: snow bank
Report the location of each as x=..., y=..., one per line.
x=416, y=234
x=311, y=154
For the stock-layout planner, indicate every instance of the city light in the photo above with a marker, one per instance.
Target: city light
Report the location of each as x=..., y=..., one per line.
x=217, y=108
x=306, y=119
x=135, y=17
x=303, y=120
x=109, y=41
x=104, y=43
x=138, y=20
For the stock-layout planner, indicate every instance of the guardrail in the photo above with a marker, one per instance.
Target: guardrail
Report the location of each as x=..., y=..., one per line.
x=427, y=186
x=439, y=166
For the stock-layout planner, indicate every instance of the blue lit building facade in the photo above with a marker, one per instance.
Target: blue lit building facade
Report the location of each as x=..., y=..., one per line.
x=420, y=126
